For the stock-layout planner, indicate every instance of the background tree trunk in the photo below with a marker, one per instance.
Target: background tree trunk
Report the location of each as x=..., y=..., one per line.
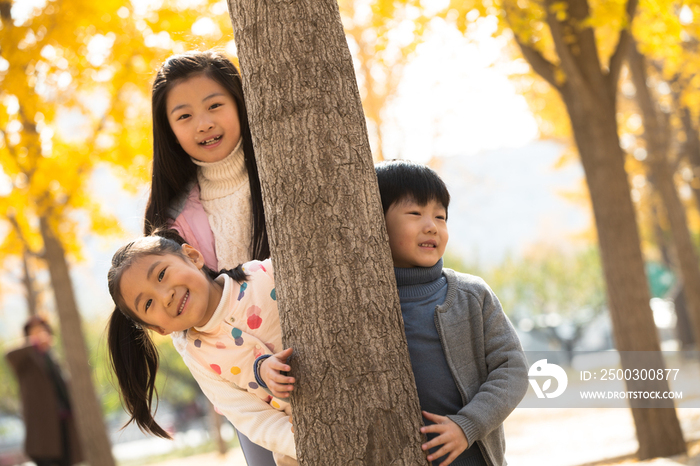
x=86, y=408
x=684, y=328
x=589, y=94
x=692, y=151
x=215, y=423
x=657, y=135
x=355, y=401
x=658, y=430
x=28, y=282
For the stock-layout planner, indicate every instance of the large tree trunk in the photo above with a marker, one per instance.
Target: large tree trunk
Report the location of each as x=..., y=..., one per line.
x=589, y=94
x=657, y=135
x=595, y=131
x=355, y=401
x=86, y=408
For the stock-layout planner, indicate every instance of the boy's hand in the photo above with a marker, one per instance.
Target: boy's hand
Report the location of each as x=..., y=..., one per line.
x=450, y=436
x=280, y=385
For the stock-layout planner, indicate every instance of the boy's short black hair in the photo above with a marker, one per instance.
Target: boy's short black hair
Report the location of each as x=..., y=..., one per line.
x=401, y=180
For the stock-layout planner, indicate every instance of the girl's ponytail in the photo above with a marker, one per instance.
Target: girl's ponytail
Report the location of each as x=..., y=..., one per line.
x=237, y=274
x=134, y=359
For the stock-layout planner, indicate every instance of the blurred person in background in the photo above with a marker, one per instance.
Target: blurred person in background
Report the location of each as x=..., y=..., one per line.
x=51, y=438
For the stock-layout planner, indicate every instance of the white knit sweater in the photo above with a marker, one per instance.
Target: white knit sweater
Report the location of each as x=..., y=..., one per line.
x=225, y=196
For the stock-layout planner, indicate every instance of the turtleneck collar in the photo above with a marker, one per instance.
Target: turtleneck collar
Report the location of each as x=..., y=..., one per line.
x=416, y=282
x=221, y=178
x=418, y=275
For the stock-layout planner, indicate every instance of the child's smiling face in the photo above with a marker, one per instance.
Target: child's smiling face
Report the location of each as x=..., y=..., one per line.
x=170, y=293
x=417, y=233
x=204, y=118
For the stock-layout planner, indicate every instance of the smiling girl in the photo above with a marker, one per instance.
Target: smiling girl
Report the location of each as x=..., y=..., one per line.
x=205, y=181
x=227, y=320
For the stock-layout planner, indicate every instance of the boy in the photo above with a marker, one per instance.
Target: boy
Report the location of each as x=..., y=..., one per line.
x=468, y=364
x=469, y=367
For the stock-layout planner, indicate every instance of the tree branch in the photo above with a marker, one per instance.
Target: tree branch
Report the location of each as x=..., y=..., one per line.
x=18, y=229
x=585, y=49
x=9, y=148
x=537, y=61
x=28, y=282
x=5, y=8
x=566, y=57
x=621, y=50
x=541, y=65
x=692, y=145
x=655, y=121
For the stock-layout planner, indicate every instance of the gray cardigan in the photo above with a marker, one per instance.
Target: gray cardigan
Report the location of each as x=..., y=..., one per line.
x=485, y=358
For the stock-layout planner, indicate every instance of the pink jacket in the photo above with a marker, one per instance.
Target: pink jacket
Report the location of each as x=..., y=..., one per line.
x=193, y=225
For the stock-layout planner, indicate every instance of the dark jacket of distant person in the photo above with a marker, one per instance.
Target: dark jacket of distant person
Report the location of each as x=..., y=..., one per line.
x=45, y=400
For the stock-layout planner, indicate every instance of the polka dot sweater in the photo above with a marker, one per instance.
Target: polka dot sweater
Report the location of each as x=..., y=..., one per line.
x=221, y=354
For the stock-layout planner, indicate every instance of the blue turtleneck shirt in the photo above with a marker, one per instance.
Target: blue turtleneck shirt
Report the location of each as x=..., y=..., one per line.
x=421, y=290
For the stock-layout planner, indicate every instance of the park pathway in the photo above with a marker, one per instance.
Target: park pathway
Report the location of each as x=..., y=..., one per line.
x=552, y=437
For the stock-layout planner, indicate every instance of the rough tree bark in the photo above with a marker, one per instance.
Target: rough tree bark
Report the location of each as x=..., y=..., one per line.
x=86, y=408
x=589, y=94
x=356, y=401
x=658, y=138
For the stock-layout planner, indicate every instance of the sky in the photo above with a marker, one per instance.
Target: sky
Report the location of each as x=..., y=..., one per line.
x=456, y=103
x=455, y=98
